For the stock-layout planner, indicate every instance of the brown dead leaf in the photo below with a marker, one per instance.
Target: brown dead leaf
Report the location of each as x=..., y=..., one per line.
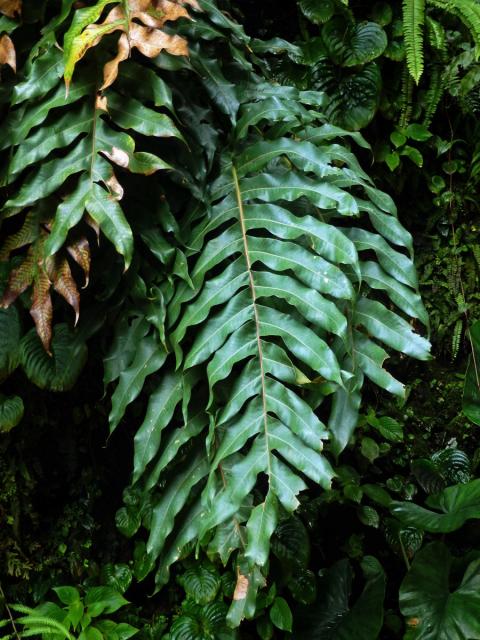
x=11, y=8
x=64, y=284
x=79, y=251
x=41, y=309
x=241, y=588
x=151, y=42
x=101, y=103
x=7, y=52
x=171, y=11
x=110, y=70
x=145, y=37
x=115, y=188
x=118, y=156
x=193, y=3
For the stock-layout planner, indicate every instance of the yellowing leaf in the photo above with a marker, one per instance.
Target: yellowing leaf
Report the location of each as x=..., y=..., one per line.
x=90, y=37
x=145, y=34
x=7, y=52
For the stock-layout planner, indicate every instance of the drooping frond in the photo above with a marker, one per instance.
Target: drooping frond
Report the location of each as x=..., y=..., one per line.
x=413, y=23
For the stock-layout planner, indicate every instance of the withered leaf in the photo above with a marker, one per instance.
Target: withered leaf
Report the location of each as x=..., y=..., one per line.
x=115, y=188
x=41, y=309
x=60, y=274
x=79, y=251
x=241, y=588
x=7, y=52
x=146, y=37
x=101, y=103
x=110, y=70
x=89, y=38
x=118, y=156
x=151, y=42
x=11, y=8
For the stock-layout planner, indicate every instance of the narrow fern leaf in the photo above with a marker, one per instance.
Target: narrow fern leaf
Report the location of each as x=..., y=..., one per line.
x=413, y=23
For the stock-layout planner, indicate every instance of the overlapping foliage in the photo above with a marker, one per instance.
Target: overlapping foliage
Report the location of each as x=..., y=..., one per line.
x=256, y=279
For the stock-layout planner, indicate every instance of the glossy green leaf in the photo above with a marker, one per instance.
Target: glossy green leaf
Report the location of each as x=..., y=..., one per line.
x=149, y=358
x=280, y=614
x=448, y=510
x=160, y=409
x=106, y=211
x=440, y=611
x=390, y=329
x=334, y=618
x=41, y=76
x=129, y=113
x=351, y=45
x=172, y=501
x=316, y=10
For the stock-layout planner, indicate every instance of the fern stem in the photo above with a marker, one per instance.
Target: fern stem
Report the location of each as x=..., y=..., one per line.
x=238, y=194
x=12, y=621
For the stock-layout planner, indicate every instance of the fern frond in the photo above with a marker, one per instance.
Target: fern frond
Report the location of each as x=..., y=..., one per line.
x=273, y=286
x=41, y=631
x=406, y=98
x=476, y=254
x=467, y=11
x=456, y=338
x=433, y=95
x=36, y=623
x=296, y=273
x=436, y=36
x=413, y=23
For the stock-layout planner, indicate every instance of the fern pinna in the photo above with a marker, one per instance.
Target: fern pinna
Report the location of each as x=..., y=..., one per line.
x=299, y=278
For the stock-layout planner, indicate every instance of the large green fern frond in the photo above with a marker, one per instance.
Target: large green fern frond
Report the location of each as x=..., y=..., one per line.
x=294, y=280
x=283, y=305
x=413, y=22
